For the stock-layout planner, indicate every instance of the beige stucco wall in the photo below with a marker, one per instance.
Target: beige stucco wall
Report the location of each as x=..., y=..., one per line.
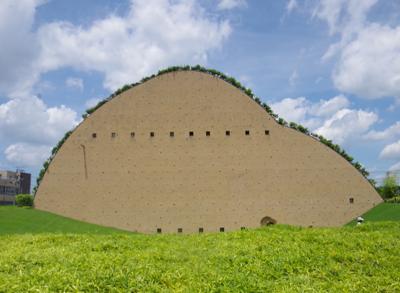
x=144, y=183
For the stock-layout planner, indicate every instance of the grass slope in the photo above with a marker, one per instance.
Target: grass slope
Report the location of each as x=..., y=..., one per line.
x=384, y=212
x=273, y=259
x=14, y=220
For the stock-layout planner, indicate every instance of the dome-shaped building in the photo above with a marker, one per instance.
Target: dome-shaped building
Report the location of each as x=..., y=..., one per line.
x=188, y=152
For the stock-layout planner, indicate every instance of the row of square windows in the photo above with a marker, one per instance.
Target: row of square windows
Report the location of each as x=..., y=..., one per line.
x=172, y=134
x=201, y=230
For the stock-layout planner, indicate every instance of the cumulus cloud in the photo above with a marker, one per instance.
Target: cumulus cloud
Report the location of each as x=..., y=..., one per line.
x=369, y=66
x=92, y=102
x=230, y=4
x=19, y=47
x=27, y=155
x=31, y=129
x=389, y=133
x=347, y=124
x=74, y=82
x=391, y=151
x=127, y=48
x=331, y=118
x=30, y=120
x=395, y=167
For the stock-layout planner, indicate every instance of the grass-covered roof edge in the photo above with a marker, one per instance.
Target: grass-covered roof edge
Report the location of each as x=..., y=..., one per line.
x=229, y=80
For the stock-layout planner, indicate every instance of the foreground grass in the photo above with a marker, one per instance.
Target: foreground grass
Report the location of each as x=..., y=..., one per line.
x=14, y=220
x=277, y=259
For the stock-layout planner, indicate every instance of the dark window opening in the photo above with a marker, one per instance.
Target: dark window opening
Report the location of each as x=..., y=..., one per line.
x=221, y=229
x=266, y=132
x=191, y=133
x=201, y=230
x=266, y=221
x=159, y=230
x=113, y=134
x=180, y=230
x=152, y=134
x=247, y=132
x=351, y=200
x=171, y=134
x=208, y=133
x=94, y=135
x=228, y=132
x=132, y=134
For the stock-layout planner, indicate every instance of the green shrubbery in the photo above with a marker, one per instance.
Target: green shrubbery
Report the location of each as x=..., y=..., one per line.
x=395, y=199
x=24, y=200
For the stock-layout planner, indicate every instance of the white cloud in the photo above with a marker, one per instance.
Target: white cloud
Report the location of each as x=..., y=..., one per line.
x=154, y=34
x=74, y=82
x=389, y=133
x=347, y=124
x=27, y=155
x=391, y=151
x=331, y=118
x=291, y=5
x=92, y=102
x=30, y=120
x=19, y=47
x=369, y=66
x=230, y=4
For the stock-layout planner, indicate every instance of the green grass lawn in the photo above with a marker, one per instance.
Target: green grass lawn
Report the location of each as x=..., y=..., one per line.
x=384, y=212
x=277, y=258
x=14, y=220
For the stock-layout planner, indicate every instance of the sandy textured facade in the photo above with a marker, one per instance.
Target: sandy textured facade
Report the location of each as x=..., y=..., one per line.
x=186, y=151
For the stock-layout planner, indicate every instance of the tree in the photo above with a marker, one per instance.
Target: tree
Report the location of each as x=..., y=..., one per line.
x=24, y=200
x=389, y=188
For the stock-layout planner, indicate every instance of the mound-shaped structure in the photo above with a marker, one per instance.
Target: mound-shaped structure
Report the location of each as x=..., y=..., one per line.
x=188, y=152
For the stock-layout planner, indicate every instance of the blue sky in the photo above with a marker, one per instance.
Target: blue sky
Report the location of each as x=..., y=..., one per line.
x=332, y=65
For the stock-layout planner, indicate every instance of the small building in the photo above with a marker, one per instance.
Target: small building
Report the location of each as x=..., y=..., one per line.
x=13, y=183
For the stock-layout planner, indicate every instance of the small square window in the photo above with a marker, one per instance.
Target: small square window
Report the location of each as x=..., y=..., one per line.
x=201, y=230
x=94, y=135
x=191, y=133
x=247, y=132
x=171, y=134
x=180, y=230
x=159, y=230
x=221, y=229
x=113, y=134
x=132, y=134
x=266, y=132
x=351, y=200
x=208, y=133
x=152, y=134
x=228, y=132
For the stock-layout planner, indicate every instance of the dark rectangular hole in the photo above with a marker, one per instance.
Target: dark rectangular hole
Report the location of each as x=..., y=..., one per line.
x=201, y=230
x=266, y=132
x=171, y=134
x=247, y=132
x=180, y=230
x=221, y=229
x=228, y=132
x=208, y=133
x=113, y=134
x=152, y=134
x=191, y=133
x=94, y=135
x=351, y=200
x=159, y=230
x=132, y=134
